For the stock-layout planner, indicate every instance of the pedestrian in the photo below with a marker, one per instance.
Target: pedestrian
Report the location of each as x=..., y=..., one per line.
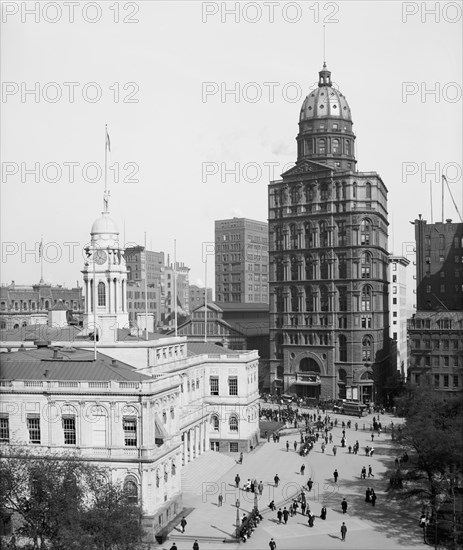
x=295, y=446
x=272, y=506
x=335, y=475
x=370, y=472
x=373, y=497
x=311, y=520
x=334, y=450
x=310, y=484
x=220, y=499
x=285, y=515
x=174, y=547
x=356, y=426
x=323, y=513
x=350, y=449
x=367, y=495
x=276, y=479
x=303, y=506
x=279, y=515
x=183, y=524
x=372, y=436
x=343, y=531
x=241, y=458
x=302, y=469
x=287, y=446
x=323, y=447
x=344, y=505
x=195, y=545
x=260, y=488
x=363, y=473
x=237, y=481
x=331, y=438
x=272, y=544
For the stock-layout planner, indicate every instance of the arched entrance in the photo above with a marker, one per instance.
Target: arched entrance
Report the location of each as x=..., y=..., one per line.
x=307, y=380
x=366, y=387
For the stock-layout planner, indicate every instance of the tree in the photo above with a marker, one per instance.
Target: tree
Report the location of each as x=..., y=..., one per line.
x=432, y=448
x=63, y=504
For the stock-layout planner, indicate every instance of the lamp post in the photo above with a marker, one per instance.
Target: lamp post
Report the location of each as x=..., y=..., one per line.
x=238, y=525
x=256, y=503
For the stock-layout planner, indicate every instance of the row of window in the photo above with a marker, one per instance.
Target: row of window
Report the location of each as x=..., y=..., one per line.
x=33, y=306
x=444, y=288
x=129, y=426
x=439, y=361
x=366, y=321
x=322, y=192
x=232, y=385
x=442, y=380
x=428, y=343
x=457, y=242
x=232, y=422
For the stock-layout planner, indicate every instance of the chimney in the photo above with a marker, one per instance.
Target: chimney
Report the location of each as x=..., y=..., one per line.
x=113, y=362
x=448, y=220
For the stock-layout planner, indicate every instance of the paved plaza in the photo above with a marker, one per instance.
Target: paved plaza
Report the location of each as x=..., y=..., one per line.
x=388, y=525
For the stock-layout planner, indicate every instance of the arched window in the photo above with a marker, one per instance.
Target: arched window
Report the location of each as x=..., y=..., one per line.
x=324, y=241
x=24, y=323
x=335, y=146
x=158, y=479
x=366, y=348
x=309, y=271
x=47, y=304
x=233, y=423
x=367, y=376
x=342, y=298
x=347, y=147
x=324, y=303
x=293, y=236
x=294, y=299
x=280, y=270
x=342, y=376
x=280, y=372
x=366, y=298
x=308, y=236
x=215, y=422
x=366, y=265
x=365, y=230
x=101, y=294
x=308, y=364
x=354, y=190
x=342, y=341
x=279, y=345
x=294, y=268
x=344, y=192
x=322, y=146
x=308, y=298
x=173, y=468
x=131, y=490
x=323, y=267
x=24, y=306
x=280, y=301
x=368, y=190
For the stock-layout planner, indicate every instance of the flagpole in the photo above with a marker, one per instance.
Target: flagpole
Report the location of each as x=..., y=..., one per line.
x=94, y=302
x=41, y=259
x=146, y=291
x=175, y=285
x=106, y=160
x=205, y=300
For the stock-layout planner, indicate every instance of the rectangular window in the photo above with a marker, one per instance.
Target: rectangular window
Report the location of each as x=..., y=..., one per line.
x=446, y=380
x=69, y=428
x=33, y=425
x=446, y=361
x=232, y=385
x=129, y=425
x=214, y=383
x=394, y=301
x=455, y=380
x=234, y=446
x=427, y=361
x=455, y=361
x=4, y=429
x=436, y=380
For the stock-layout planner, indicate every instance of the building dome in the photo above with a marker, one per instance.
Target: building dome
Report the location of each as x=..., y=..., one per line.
x=325, y=101
x=104, y=225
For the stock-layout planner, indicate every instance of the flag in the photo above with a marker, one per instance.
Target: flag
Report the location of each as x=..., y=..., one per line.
x=108, y=142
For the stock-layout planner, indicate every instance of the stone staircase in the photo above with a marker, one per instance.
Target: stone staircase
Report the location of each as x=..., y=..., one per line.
x=208, y=467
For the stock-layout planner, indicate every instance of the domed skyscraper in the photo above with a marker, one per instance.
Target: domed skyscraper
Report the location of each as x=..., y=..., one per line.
x=105, y=280
x=328, y=234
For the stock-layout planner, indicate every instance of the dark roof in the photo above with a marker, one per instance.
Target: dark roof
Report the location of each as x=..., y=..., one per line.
x=208, y=348
x=77, y=365
x=234, y=306
x=30, y=333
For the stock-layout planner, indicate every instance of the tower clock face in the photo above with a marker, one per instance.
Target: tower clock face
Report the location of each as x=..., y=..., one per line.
x=100, y=257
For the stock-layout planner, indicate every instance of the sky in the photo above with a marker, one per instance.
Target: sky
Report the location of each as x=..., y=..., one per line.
x=202, y=102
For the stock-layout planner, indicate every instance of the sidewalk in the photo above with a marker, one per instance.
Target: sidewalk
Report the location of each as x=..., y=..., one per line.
x=384, y=526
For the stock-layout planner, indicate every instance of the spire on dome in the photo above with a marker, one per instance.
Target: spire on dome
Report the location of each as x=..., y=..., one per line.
x=324, y=76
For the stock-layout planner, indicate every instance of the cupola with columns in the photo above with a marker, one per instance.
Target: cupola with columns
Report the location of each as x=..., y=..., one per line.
x=105, y=280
